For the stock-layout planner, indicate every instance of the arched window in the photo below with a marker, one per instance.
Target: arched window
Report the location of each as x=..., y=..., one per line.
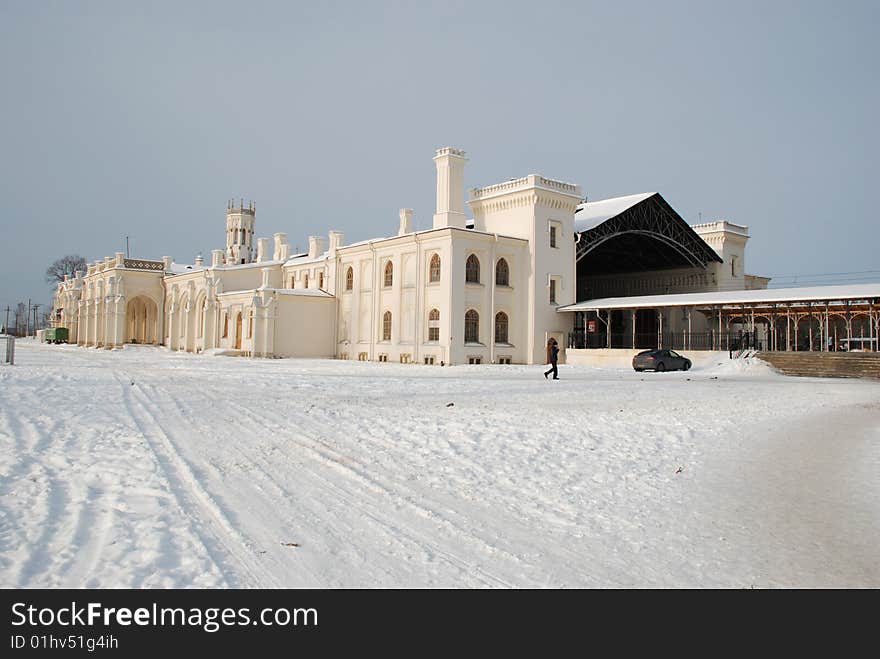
x=349, y=279
x=472, y=270
x=502, y=273
x=386, y=326
x=472, y=327
x=435, y=268
x=389, y=273
x=321, y=280
x=501, y=327
x=434, y=325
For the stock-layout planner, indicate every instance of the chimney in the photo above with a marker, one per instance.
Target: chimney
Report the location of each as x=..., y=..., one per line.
x=262, y=250
x=166, y=263
x=280, y=240
x=266, y=274
x=336, y=238
x=315, y=243
x=406, y=216
x=450, y=188
x=217, y=257
x=199, y=262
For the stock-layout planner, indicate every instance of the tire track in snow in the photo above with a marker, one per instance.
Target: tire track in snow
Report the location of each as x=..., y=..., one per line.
x=225, y=546
x=359, y=473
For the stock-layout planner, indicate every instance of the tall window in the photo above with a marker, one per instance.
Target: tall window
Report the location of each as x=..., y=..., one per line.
x=321, y=280
x=292, y=282
x=225, y=325
x=251, y=325
x=552, y=236
x=349, y=279
x=472, y=327
x=389, y=274
x=200, y=321
x=386, y=326
x=501, y=327
x=435, y=268
x=434, y=325
x=552, y=291
x=306, y=281
x=472, y=270
x=502, y=273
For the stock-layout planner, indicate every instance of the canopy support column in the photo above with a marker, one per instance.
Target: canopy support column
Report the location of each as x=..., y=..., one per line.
x=634, y=312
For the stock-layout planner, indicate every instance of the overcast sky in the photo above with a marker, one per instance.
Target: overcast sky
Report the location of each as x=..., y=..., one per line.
x=143, y=118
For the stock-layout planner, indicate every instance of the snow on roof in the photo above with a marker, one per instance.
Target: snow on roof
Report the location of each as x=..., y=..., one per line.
x=305, y=292
x=183, y=268
x=245, y=266
x=805, y=294
x=592, y=213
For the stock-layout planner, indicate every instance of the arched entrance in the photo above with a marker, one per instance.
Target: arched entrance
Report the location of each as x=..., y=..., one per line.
x=141, y=314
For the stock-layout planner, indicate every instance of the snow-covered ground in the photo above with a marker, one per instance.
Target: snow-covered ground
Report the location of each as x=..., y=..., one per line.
x=148, y=469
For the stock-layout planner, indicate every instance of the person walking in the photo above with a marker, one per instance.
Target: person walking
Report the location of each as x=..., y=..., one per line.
x=554, y=357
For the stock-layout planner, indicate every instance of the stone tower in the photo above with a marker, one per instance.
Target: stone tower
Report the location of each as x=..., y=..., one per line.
x=239, y=232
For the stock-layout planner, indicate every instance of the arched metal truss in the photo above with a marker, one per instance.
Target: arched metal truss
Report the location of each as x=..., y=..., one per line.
x=653, y=218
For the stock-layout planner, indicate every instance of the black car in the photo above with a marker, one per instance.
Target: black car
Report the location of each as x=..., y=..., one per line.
x=660, y=360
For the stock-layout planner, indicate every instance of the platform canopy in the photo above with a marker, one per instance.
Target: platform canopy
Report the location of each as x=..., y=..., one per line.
x=765, y=297
x=634, y=233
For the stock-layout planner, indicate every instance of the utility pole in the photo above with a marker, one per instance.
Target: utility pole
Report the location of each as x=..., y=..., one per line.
x=127, y=253
x=36, y=306
x=27, y=320
x=7, y=319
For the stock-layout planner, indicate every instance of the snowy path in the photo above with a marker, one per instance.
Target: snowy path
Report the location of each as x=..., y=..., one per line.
x=147, y=469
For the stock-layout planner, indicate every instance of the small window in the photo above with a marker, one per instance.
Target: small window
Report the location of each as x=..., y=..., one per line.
x=472, y=327
x=429, y=361
x=501, y=327
x=362, y=356
x=504, y=360
x=472, y=270
x=386, y=326
x=434, y=325
x=435, y=269
x=349, y=279
x=383, y=358
x=405, y=358
x=475, y=360
x=552, y=236
x=343, y=355
x=502, y=273
x=552, y=291
x=389, y=274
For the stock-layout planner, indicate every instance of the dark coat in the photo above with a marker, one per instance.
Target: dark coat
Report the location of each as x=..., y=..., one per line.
x=554, y=353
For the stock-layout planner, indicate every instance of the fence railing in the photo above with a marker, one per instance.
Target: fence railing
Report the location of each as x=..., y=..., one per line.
x=674, y=340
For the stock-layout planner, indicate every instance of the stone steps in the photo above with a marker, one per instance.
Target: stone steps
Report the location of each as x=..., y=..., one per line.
x=825, y=364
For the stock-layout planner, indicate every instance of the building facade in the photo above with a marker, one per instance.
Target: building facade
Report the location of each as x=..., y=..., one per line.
x=477, y=287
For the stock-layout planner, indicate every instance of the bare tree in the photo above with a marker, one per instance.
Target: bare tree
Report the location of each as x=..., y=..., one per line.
x=66, y=265
x=21, y=319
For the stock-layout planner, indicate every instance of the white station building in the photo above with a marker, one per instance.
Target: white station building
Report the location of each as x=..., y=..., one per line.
x=494, y=279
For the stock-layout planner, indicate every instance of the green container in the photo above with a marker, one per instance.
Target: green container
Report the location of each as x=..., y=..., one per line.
x=57, y=335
